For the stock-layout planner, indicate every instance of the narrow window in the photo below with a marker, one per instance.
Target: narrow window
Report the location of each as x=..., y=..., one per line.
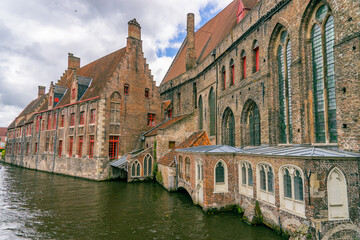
x=71, y=141
x=60, y=147
x=50, y=101
x=91, y=146
x=270, y=178
x=126, y=89
x=145, y=166
x=54, y=121
x=187, y=167
x=179, y=102
x=243, y=64
x=169, y=113
x=195, y=94
x=92, y=116
x=284, y=73
x=298, y=186
x=223, y=77
x=48, y=127
x=201, y=121
x=114, y=112
x=232, y=72
x=262, y=178
x=36, y=147
x=256, y=57
x=212, y=109
x=113, y=146
x=80, y=147
x=287, y=184
x=219, y=173
x=151, y=120
x=180, y=167
x=149, y=165
x=146, y=92
x=82, y=118
x=72, y=119
x=250, y=176
x=27, y=148
x=243, y=174
x=47, y=140
x=62, y=120
x=73, y=93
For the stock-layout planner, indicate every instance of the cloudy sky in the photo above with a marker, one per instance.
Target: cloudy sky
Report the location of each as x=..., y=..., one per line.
x=37, y=35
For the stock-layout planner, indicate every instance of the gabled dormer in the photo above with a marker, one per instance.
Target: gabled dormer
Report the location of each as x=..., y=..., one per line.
x=83, y=84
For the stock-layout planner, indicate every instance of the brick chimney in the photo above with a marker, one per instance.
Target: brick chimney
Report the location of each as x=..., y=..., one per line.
x=73, y=62
x=134, y=29
x=190, y=51
x=41, y=91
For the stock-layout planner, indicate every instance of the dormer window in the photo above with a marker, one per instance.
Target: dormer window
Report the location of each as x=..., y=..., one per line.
x=126, y=89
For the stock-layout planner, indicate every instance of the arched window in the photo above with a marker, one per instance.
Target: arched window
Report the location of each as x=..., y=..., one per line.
x=243, y=64
x=284, y=73
x=187, y=168
x=232, y=72
x=223, y=77
x=246, y=176
x=228, y=128
x=256, y=56
x=212, y=109
x=135, y=169
x=337, y=195
x=201, y=121
x=265, y=184
x=147, y=165
x=221, y=181
x=180, y=167
x=322, y=44
x=251, y=124
x=291, y=189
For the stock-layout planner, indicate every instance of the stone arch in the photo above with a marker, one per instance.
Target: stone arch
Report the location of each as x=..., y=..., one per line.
x=250, y=124
x=337, y=195
x=342, y=227
x=228, y=128
x=115, y=96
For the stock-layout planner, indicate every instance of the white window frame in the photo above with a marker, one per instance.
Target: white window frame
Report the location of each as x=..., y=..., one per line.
x=265, y=195
x=246, y=189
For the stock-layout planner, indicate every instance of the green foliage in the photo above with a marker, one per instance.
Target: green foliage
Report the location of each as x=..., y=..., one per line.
x=258, y=215
x=155, y=170
x=159, y=177
x=155, y=151
x=3, y=154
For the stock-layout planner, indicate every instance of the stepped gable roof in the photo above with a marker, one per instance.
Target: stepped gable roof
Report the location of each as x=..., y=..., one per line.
x=207, y=38
x=164, y=125
x=99, y=71
x=196, y=139
x=3, y=131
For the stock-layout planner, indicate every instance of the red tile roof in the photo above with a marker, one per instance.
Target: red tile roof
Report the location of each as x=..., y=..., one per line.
x=196, y=139
x=164, y=125
x=208, y=37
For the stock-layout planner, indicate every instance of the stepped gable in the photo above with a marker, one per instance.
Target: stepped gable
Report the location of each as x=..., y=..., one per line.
x=99, y=71
x=208, y=37
x=164, y=125
x=199, y=138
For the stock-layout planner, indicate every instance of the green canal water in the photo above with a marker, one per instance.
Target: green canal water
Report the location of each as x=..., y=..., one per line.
x=37, y=205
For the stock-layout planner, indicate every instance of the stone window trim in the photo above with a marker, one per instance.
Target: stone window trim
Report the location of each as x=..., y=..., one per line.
x=221, y=187
x=292, y=204
x=136, y=169
x=266, y=195
x=147, y=163
x=92, y=116
x=243, y=64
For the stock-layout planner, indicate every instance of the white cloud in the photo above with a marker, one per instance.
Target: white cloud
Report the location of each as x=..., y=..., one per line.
x=35, y=37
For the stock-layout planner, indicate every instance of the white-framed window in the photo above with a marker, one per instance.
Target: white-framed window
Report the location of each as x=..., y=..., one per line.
x=265, y=183
x=337, y=195
x=246, y=178
x=199, y=171
x=187, y=168
x=147, y=165
x=135, y=169
x=221, y=177
x=180, y=167
x=291, y=186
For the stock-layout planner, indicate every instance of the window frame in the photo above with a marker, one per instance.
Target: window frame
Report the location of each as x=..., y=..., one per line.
x=113, y=147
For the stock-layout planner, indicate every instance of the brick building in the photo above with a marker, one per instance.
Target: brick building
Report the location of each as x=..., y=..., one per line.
x=3, y=131
x=92, y=115
x=274, y=85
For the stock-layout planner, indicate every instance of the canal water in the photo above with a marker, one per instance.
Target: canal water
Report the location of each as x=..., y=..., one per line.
x=37, y=205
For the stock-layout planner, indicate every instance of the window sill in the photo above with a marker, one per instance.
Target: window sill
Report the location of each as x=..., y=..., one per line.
x=217, y=192
x=292, y=212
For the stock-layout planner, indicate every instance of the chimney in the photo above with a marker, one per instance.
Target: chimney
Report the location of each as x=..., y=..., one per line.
x=73, y=62
x=41, y=91
x=190, y=51
x=134, y=29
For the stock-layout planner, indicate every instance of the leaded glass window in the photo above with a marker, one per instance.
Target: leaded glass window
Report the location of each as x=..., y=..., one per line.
x=284, y=72
x=212, y=109
x=322, y=42
x=270, y=178
x=287, y=184
x=298, y=186
x=145, y=165
x=262, y=179
x=220, y=173
x=243, y=173
x=228, y=128
x=250, y=176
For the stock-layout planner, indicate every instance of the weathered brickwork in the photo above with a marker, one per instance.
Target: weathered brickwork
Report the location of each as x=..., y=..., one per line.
x=91, y=116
